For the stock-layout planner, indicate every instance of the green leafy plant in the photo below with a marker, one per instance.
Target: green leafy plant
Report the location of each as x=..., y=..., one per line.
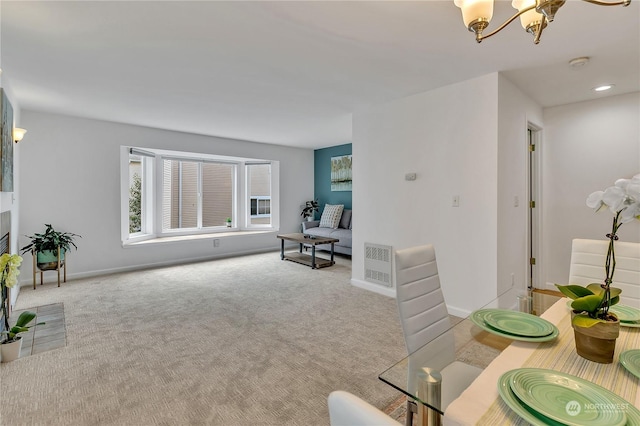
x=309, y=208
x=591, y=300
x=22, y=325
x=228, y=220
x=51, y=240
x=623, y=201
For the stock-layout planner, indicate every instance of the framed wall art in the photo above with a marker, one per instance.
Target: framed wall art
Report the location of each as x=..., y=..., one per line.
x=6, y=143
x=341, y=173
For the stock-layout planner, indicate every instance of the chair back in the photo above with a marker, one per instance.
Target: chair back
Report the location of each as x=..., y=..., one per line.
x=423, y=313
x=587, y=266
x=346, y=409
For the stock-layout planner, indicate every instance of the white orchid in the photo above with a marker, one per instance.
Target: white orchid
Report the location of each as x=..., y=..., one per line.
x=9, y=271
x=622, y=199
x=9, y=264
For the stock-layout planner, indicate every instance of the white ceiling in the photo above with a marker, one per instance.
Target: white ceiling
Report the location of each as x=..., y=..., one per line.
x=291, y=73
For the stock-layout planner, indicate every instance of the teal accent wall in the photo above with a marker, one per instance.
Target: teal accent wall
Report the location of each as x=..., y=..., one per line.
x=322, y=178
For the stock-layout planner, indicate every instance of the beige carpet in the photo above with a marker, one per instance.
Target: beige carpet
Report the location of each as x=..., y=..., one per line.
x=244, y=341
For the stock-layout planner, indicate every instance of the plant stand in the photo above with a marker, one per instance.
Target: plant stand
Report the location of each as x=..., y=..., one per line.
x=51, y=266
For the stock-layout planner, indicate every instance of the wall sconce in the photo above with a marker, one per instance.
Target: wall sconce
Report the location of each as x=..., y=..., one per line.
x=18, y=134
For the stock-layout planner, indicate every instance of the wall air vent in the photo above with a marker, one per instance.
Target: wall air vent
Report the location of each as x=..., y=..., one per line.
x=377, y=264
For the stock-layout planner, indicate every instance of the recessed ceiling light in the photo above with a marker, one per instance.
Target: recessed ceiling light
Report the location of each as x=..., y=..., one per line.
x=603, y=88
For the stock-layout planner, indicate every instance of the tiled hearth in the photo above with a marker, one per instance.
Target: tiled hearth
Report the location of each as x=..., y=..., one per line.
x=42, y=338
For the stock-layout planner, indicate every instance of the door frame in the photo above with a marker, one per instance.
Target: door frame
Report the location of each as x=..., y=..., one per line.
x=534, y=215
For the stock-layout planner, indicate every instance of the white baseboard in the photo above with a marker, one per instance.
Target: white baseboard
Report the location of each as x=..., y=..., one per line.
x=385, y=291
x=458, y=312
x=88, y=274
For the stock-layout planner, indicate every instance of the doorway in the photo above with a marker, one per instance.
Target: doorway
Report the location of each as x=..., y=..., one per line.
x=533, y=220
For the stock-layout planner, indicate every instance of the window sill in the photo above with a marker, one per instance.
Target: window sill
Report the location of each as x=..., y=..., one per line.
x=182, y=238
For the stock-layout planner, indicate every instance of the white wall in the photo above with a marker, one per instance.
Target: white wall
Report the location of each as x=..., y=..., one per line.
x=70, y=177
x=9, y=201
x=587, y=147
x=449, y=137
x=516, y=113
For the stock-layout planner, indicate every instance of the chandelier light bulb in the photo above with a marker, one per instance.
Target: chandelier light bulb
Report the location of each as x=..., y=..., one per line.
x=529, y=18
x=473, y=10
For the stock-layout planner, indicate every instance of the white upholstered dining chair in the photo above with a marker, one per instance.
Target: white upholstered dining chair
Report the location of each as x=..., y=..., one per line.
x=346, y=409
x=424, y=318
x=587, y=266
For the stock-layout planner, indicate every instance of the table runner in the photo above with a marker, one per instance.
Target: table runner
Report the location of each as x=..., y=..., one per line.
x=481, y=403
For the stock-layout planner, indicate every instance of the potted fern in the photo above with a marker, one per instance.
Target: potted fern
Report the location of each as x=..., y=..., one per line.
x=595, y=328
x=46, y=246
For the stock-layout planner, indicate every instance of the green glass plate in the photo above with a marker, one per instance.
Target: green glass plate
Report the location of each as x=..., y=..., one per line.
x=512, y=401
x=477, y=317
x=631, y=361
x=518, y=323
x=632, y=324
x=565, y=398
x=625, y=313
x=537, y=419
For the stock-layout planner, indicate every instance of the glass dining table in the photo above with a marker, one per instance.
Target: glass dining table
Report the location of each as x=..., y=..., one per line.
x=471, y=343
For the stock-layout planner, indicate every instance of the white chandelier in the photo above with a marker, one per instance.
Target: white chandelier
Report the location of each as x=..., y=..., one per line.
x=534, y=14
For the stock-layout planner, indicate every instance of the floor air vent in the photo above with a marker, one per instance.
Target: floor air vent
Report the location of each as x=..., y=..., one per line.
x=377, y=264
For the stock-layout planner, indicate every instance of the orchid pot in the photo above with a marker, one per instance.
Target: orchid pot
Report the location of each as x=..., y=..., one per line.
x=11, y=351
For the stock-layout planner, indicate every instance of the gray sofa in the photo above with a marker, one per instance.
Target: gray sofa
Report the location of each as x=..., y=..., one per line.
x=342, y=233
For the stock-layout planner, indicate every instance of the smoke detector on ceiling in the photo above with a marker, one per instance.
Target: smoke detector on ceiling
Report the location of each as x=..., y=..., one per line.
x=579, y=62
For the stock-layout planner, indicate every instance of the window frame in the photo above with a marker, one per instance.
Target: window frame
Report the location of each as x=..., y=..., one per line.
x=249, y=197
x=199, y=228
x=153, y=195
x=259, y=198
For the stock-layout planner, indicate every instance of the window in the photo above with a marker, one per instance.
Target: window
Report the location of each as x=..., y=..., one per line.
x=259, y=192
x=135, y=194
x=177, y=193
x=196, y=195
x=139, y=187
x=217, y=193
x=260, y=207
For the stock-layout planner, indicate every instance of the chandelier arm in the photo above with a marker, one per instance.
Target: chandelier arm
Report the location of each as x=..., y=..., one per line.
x=603, y=3
x=536, y=39
x=481, y=37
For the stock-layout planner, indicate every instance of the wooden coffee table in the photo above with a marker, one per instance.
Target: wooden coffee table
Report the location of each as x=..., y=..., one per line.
x=310, y=241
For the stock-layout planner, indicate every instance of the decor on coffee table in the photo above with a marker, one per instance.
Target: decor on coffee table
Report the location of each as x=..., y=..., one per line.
x=49, y=251
x=595, y=328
